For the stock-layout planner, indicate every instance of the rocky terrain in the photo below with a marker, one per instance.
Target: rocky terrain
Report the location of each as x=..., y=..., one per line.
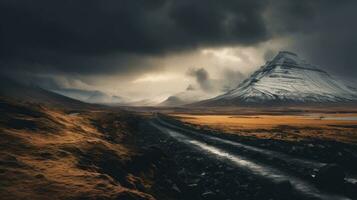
x=321, y=164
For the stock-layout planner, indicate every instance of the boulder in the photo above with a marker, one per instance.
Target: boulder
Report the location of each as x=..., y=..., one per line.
x=209, y=195
x=330, y=175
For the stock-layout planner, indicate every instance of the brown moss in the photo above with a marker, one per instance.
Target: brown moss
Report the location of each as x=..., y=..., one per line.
x=47, y=153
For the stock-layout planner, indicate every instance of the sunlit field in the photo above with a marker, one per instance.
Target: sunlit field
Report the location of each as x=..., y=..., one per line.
x=339, y=127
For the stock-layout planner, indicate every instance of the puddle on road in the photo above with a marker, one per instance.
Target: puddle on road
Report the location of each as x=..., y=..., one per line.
x=254, y=167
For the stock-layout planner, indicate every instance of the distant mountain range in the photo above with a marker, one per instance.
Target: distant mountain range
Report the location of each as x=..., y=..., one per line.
x=191, y=95
x=91, y=96
x=15, y=90
x=286, y=79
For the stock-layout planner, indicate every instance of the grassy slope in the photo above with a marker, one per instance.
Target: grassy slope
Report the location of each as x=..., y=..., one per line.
x=47, y=152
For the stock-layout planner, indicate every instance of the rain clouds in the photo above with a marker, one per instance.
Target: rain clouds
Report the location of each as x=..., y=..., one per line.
x=111, y=35
x=91, y=37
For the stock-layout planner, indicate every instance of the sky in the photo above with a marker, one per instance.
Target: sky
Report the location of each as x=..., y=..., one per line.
x=151, y=49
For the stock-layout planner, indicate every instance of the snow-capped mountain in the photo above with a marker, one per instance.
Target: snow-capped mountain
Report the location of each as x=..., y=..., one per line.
x=286, y=79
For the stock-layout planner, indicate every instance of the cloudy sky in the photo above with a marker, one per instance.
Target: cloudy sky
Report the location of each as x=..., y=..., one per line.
x=154, y=48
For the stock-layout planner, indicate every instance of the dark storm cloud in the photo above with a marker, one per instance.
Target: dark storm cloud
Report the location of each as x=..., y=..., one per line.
x=229, y=81
x=335, y=44
x=90, y=36
x=202, y=78
x=107, y=36
x=323, y=31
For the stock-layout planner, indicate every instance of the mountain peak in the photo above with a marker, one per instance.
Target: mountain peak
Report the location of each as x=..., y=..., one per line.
x=289, y=59
x=286, y=56
x=286, y=79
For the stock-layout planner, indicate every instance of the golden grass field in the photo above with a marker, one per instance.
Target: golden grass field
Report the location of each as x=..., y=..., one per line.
x=50, y=153
x=339, y=127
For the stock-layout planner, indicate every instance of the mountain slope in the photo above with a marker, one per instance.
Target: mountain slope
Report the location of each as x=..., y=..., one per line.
x=91, y=96
x=186, y=97
x=286, y=79
x=26, y=93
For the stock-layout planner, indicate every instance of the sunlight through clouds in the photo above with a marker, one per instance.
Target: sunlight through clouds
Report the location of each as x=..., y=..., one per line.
x=155, y=78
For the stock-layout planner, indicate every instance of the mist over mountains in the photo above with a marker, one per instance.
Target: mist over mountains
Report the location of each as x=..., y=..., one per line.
x=286, y=79
x=101, y=43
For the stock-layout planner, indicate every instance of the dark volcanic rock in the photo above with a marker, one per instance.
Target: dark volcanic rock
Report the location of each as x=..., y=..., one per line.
x=330, y=175
x=283, y=188
x=209, y=195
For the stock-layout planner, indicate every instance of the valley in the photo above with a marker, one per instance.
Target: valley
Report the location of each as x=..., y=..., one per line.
x=288, y=131
x=74, y=150
x=178, y=100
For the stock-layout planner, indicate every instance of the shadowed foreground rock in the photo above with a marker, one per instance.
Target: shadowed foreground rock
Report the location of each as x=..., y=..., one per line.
x=331, y=176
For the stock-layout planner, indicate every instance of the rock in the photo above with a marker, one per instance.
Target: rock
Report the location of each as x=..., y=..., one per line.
x=208, y=195
x=193, y=185
x=182, y=173
x=193, y=188
x=283, y=188
x=175, y=188
x=219, y=173
x=194, y=180
x=155, y=152
x=330, y=175
x=216, y=182
x=229, y=169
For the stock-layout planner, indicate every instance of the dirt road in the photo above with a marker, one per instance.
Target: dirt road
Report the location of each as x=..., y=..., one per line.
x=260, y=173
